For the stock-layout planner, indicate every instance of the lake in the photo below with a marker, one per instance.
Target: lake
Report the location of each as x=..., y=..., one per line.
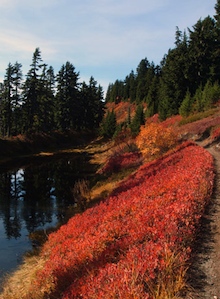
x=35, y=195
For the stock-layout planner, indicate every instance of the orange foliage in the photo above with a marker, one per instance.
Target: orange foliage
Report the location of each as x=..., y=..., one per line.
x=121, y=110
x=154, y=139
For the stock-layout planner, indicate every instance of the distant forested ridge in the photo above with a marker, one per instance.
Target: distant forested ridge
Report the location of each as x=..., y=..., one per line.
x=43, y=102
x=187, y=79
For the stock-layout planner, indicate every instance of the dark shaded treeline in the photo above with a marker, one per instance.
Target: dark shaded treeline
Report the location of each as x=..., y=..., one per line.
x=187, y=79
x=44, y=102
x=39, y=193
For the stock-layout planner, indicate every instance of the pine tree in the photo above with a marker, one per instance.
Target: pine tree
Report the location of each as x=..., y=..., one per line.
x=109, y=125
x=6, y=104
x=31, y=90
x=17, y=99
x=142, y=86
x=67, y=98
x=201, y=48
x=130, y=87
x=210, y=95
x=138, y=120
x=47, y=99
x=216, y=50
x=92, y=106
x=152, y=97
x=174, y=78
x=197, y=100
x=186, y=106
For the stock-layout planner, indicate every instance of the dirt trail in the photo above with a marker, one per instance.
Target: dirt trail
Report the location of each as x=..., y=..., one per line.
x=205, y=271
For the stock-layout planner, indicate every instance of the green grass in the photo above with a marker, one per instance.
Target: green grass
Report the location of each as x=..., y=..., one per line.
x=197, y=116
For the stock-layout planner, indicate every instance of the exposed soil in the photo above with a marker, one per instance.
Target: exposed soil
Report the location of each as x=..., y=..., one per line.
x=204, y=275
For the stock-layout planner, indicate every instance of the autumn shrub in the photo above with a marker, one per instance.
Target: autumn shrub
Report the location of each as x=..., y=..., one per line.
x=155, y=139
x=121, y=161
x=200, y=127
x=125, y=154
x=135, y=244
x=197, y=116
x=215, y=133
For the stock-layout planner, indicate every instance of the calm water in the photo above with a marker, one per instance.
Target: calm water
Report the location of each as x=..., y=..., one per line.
x=32, y=197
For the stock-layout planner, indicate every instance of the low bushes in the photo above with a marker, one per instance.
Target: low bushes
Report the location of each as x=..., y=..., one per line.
x=155, y=139
x=137, y=243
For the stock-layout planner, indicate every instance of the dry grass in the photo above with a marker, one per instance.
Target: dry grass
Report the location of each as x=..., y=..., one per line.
x=171, y=282
x=19, y=284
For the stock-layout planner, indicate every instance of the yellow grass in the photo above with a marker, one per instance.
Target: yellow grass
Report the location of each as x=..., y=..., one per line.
x=171, y=280
x=18, y=285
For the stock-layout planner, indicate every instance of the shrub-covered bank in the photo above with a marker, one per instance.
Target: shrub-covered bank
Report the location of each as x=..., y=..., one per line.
x=135, y=244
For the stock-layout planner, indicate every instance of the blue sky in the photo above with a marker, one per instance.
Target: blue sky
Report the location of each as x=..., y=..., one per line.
x=105, y=39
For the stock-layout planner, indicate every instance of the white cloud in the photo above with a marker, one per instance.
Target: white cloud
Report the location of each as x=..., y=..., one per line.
x=107, y=37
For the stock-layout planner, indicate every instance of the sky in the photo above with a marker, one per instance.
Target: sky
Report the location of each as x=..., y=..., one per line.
x=105, y=39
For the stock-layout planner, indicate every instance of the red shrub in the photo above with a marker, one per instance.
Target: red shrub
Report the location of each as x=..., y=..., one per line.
x=121, y=161
x=215, y=134
x=123, y=245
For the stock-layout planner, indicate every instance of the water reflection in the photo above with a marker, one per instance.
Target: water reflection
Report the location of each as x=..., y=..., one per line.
x=35, y=197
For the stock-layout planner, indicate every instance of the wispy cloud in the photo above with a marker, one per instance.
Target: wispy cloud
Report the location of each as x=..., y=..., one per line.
x=104, y=38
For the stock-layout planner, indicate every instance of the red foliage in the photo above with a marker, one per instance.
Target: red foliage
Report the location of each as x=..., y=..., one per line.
x=119, y=161
x=121, y=110
x=171, y=121
x=115, y=249
x=215, y=135
x=200, y=126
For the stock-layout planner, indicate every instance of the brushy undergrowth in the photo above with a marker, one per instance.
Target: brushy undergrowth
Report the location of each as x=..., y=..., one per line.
x=197, y=116
x=136, y=243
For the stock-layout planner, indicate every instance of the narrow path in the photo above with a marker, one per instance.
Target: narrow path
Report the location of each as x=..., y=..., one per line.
x=205, y=272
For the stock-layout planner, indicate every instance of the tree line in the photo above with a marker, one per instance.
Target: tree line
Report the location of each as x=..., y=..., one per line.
x=44, y=101
x=187, y=79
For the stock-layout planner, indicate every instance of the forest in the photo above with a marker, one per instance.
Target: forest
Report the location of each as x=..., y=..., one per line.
x=44, y=102
x=185, y=82
x=187, y=79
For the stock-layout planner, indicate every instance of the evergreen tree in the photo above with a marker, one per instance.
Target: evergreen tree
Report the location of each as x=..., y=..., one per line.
x=174, y=78
x=67, y=98
x=138, y=120
x=210, y=95
x=10, y=100
x=216, y=49
x=92, y=105
x=197, y=100
x=186, y=106
x=6, y=104
x=47, y=99
x=142, y=86
x=17, y=99
x=201, y=47
x=152, y=97
x=164, y=104
x=130, y=84
x=109, y=125
x=108, y=93
x=31, y=106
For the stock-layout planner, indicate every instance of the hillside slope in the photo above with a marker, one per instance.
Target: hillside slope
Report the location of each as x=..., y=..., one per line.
x=114, y=235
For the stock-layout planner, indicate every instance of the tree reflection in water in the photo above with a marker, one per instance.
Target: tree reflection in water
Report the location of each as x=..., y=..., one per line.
x=37, y=196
